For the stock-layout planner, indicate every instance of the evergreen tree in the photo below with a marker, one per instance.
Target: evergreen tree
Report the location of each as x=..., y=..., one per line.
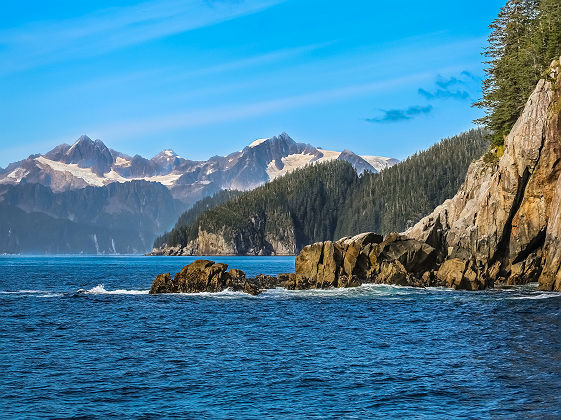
x=524, y=39
x=398, y=197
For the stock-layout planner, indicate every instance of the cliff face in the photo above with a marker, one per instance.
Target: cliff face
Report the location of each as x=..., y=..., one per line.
x=503, y=224
x=254, y=239
x=502, y=227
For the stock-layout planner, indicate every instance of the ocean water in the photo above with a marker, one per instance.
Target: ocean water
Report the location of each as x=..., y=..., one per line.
x=81, y=337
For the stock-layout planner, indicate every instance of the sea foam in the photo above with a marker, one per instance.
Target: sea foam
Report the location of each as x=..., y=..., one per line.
x=537, y=296
x=100, y=290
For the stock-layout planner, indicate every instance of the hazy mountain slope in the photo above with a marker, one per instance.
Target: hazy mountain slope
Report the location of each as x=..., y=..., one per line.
x=125, y=217
x=38, y=233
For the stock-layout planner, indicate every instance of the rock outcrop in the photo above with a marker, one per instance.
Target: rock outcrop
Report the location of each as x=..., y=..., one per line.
x=502, y=227
x=503, y=224
x=208, y=276
x=253, y=240
x=367, y=257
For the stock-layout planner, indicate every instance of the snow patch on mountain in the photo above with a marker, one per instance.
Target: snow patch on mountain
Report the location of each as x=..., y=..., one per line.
x=258, y=142
x=124, y=163
x=290, y=163
x=295, y=161
x=85, y=174
x=379, y=162
x=15, y=176
x=91, y=178
x=328, y=155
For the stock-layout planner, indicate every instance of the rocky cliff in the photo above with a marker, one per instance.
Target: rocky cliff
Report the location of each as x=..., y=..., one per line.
x=502, y=227
x=255, y=239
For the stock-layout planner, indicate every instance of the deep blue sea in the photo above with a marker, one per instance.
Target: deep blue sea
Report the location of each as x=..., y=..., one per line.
x=81, y=337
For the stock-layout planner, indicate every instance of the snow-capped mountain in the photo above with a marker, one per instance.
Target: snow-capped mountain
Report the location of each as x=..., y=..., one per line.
x=91, y=163
x=88, y=198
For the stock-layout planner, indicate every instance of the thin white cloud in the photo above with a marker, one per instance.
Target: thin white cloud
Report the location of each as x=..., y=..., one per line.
x=173, y=74
x=234, y=112
x=271, y=57
x=114, y=28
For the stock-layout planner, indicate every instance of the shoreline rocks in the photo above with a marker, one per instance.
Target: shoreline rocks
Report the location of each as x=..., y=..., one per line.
x=349, y=262
x=208, y=276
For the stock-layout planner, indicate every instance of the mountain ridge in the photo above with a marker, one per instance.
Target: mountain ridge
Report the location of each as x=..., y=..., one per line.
x=125, y=202
x=90, y=162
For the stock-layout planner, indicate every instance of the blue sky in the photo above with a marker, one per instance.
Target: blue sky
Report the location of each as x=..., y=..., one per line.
x=207, y=77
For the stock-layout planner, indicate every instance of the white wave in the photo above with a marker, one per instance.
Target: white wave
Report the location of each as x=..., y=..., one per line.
x=100, y=290
x=367, y=289
x=225, y=294
x=535, y=297
x=23, y=292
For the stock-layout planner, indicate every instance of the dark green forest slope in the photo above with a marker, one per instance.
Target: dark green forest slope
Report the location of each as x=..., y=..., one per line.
x=328, y=201
x=177, y=234
x=399, y=196
x=525, y=38
x=301, y=207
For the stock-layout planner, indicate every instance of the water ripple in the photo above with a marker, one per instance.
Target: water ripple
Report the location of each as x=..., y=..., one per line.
x=81, y=337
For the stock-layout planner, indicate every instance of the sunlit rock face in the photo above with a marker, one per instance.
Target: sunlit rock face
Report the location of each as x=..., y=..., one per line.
x=504, y=220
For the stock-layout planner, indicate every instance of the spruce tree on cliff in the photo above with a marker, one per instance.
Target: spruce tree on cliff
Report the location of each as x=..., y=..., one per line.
x=524, y=39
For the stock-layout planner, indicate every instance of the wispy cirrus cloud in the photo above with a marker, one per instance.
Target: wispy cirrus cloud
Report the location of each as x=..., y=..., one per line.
x=174, y=74
x=397, y=115
x=234, y=112
x=114, y=28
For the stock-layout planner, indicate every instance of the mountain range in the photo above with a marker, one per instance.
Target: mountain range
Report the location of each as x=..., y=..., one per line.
x=324, y=202
x=91, y=163
x=88, y=198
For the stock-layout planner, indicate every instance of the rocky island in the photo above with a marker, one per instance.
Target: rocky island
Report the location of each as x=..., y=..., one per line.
x=502, y=227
